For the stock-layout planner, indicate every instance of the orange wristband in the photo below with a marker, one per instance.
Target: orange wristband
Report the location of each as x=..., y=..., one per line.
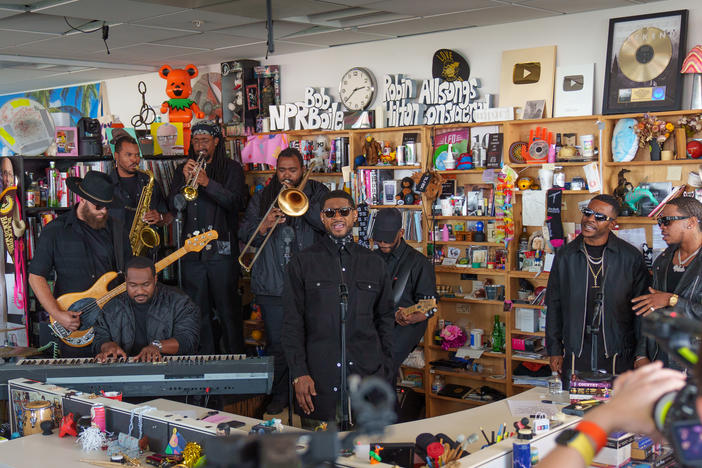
x=594, y=432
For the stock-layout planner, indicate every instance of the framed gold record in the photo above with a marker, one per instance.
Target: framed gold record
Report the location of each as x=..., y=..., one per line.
x=644, y=54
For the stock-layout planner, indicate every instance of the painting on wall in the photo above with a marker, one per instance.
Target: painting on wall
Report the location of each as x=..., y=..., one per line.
x=67, y=105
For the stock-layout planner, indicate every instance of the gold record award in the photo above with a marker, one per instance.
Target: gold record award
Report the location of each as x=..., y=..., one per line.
x=645, y=54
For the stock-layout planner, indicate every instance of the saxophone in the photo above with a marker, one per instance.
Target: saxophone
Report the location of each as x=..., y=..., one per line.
x=141, y=235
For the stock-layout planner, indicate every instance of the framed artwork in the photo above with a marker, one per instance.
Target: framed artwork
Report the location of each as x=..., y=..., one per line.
x=66, y=139
x=528, y=75
x=644, y=56
x=252, y=102
x=574, y=91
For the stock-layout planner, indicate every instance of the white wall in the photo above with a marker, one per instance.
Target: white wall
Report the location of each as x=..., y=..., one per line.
x=580, y=38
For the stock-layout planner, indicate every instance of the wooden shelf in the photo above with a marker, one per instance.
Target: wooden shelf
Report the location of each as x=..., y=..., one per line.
x=520, y=332
x=468, y=243
x=254, y=322
x=467, y=375
x=527, y=306
x=473, y=271
x=399, y=207
x=673, y=162
x=657, y=114
x=459, y=400
x=466, y=218
x=462, y=171
x=564, y=164
x=565, y=192
x=390, y=168
x=544, y=122
x=413, y=389
x=636, y=219
x=42, y=209
x=485, y=353
x=470, y=301
x=528, y=274
x=537, y=361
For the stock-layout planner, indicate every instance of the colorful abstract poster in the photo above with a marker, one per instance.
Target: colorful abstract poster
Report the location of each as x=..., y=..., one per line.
x=264, y=149
x=67, y=105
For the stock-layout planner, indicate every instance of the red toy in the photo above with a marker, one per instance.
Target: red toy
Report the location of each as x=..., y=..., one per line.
x=68, y=426
x=694, y=149
x=179, y=89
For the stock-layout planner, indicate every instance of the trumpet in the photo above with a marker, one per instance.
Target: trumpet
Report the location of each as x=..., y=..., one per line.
x=191, y=185
x=293, y=202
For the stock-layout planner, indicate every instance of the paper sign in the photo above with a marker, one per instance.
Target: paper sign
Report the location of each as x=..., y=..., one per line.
x=533, y=207
x=592, y=175
x=674, y=173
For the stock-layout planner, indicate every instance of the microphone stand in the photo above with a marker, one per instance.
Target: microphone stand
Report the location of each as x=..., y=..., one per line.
x=595, y=374
x=343, y=306
x=288, y=234
x=180, y=203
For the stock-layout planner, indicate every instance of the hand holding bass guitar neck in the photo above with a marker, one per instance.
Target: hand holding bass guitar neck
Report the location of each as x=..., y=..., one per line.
x=89, y=303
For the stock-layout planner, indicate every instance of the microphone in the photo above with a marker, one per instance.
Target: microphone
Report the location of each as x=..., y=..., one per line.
x=179, y=202
x=288, y=234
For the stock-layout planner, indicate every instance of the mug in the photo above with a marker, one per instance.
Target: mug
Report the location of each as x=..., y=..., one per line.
x=35, y=412
x=666, y=155
x=587, y=146
x=476, y=338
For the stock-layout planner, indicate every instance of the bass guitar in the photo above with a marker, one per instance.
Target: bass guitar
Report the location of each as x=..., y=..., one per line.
x=426, y=306
x=91, y=301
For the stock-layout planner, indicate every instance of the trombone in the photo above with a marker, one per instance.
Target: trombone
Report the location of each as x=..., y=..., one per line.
x=293, y=202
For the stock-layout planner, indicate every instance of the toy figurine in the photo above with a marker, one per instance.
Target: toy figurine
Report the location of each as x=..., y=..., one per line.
x=375, y=455
x=371, y=150
x=633, y=197
x=68, y=426
x=176, y=444
x=431, y=187
x=407, y=196
x=623, y=187
x=179, y=107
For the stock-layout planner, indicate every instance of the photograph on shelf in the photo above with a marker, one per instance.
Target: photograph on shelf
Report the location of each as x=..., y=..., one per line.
x=644, y=56
x=66, y=141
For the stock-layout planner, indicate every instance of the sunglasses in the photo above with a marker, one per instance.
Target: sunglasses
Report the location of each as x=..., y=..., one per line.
x=331, y=212
x=99, y=207
x=666, y=220
x=587, y=212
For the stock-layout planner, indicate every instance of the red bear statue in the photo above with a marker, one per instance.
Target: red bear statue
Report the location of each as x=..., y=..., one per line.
x=179, y=107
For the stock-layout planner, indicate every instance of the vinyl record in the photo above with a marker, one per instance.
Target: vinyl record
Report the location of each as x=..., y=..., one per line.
x=538, y=150
x=516, y=152
x=645, y=54
x=449, y=65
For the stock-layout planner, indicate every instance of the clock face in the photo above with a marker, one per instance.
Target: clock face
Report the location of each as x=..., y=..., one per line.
x=357, y=89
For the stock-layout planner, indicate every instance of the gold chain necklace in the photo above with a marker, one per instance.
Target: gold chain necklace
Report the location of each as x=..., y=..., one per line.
x=594, y=261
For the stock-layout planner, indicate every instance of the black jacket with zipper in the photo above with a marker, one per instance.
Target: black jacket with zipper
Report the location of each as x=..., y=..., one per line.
x=689, y=291
x=625, y=277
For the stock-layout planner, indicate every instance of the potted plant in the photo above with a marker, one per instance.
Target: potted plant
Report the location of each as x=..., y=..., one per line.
x=653, y=132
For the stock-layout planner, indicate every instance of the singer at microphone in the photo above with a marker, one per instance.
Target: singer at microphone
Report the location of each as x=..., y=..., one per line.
x=293, y=235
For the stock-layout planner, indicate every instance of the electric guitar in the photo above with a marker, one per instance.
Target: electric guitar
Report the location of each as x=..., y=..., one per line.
x=91, y=301
x=425, y=306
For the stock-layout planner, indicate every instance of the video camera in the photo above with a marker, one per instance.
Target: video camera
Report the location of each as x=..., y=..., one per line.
x=675, y=413
x=373, y=402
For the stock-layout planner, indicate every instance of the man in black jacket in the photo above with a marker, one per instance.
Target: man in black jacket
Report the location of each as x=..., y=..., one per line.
x=267, y=275
x=311, y=327
x=412, y=277
x=596, y=267
x=150, y=320
x=211, y=277
x=129, y=185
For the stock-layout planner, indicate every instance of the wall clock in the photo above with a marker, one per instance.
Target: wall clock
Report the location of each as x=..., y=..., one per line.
x=357, y=88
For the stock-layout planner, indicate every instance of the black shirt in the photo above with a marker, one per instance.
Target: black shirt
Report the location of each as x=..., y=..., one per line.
x=141, y=312
x=311, y=326
x=421, y=281
x=595, y=252
x=78, y=254
x=216, y=207
x=673, y=277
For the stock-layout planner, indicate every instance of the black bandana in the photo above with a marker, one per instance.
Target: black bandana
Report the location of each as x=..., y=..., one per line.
x=206, y=127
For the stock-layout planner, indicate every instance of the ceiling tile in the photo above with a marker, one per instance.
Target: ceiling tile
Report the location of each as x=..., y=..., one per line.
x=155, y=53
x=570, y=6
x=280, y=29
x=207, y=41
x=110, y=10
x=8, y=13
x=141, y=33
x=37, y=22
x=339, y=37
x=183, y=19
x=281, y=8
x=428, y=8
x=13, y=38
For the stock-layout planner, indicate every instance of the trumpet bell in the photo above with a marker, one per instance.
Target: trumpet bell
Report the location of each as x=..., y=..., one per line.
x=293, y=202
x=190, y=193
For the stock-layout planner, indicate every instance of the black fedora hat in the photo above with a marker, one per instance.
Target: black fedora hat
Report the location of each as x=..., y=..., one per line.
x=96, y=187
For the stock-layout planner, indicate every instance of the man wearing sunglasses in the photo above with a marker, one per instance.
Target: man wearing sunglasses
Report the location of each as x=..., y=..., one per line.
x=80, y=246
x=296, y=233
x=311, y=336
x=596, y=267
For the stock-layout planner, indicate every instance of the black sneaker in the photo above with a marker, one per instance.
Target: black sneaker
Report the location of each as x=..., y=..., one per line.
x=275, y=407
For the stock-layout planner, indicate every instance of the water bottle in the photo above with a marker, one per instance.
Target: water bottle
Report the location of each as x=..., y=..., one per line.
x=521, y=449
x=555, y=386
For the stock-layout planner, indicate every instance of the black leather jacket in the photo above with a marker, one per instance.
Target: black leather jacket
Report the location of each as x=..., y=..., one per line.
x=172, y=315
x=625, y=277
x=268, y=273
x=689, y=291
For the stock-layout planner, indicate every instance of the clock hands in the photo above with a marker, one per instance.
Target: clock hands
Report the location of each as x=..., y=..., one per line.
x=356, y=89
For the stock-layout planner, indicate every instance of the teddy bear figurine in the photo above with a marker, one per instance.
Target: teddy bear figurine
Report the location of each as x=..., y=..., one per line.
x=407, y=196
x=179, y=107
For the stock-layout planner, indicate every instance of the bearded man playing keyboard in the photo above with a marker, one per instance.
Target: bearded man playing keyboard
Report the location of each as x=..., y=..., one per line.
x=150, y=320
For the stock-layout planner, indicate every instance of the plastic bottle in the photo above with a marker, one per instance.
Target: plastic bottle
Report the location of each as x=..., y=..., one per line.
x=521, y=449
x=449, y=162
x=438, y=384
x=555, y=386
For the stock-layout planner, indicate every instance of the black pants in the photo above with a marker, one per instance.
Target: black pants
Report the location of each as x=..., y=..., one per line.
x=404, y=341
x=272, y=309
x=213, y=284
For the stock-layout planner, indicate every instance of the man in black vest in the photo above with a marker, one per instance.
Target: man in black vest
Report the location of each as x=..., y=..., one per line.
x=80, y=246
x=412, y=278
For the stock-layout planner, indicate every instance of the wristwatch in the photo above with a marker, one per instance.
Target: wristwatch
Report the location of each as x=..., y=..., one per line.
x=158, y=344
x=566, y=436
x=672, y=302
x=578, y=441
